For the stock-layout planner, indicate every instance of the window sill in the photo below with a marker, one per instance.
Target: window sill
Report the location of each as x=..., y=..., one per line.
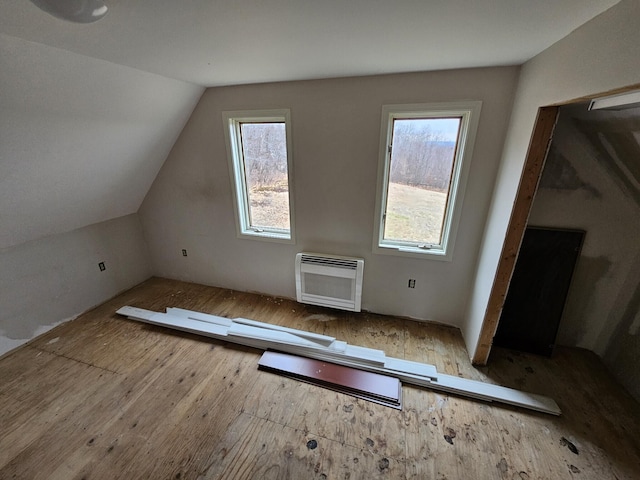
x=267, y=236
x=435, y=253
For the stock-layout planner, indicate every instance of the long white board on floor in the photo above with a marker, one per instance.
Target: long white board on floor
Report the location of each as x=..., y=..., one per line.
x=266, y=336
x=205, y=317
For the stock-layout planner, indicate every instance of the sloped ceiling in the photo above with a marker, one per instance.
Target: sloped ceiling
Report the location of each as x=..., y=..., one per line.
x=614, y=139
x=615, y=136
x=90, y=112
x=81, y=139
x=218, y=42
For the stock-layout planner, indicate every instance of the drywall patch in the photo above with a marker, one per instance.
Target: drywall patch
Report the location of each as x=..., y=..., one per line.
x=622, y=361
x=623, y=349
x=621, y=356
x=8, y=343
x=635, y=325
x=632, y=314
x=559, y=174
x=617, y=148
x=23, y=333
x=589, y=271
x=629, y=325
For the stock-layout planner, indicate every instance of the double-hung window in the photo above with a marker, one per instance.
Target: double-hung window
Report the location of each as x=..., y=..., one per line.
x=425, y=151
x=259, y=151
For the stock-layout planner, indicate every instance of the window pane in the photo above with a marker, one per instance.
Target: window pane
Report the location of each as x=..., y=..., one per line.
x=264, y=149
x=421, y=167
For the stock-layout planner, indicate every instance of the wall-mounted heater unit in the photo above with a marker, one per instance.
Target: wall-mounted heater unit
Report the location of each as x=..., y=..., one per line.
x=329, y=280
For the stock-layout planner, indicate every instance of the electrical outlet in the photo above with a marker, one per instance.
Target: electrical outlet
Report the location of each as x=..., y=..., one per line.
x=184, y=252
x=412, y=283
x=102, y=267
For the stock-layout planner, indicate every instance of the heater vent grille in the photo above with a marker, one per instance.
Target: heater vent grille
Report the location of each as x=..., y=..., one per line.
x=349, y=263
x=329, y=280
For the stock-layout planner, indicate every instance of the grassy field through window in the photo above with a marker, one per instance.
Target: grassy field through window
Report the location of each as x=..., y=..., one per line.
x=270, y=205
x=415, y=213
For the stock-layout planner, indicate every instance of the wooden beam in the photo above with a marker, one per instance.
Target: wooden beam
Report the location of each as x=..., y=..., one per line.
x=538, y=148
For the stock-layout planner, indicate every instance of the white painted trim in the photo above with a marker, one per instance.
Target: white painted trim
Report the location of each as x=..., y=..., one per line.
x=275, y=336
x=266, y=336
x=470, y=113
x=489, y=392
x=204, y=317
x=231, y=121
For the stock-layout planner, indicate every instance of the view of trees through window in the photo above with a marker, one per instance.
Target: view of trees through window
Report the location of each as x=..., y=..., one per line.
x=421, y=167
x=264, y=149
x=422, y=159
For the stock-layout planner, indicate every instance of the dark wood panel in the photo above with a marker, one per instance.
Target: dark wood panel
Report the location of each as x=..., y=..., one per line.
x=370, y=386
x=538, y=290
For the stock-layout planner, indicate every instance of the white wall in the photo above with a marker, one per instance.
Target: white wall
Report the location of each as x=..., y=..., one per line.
x=601, y=55
x=55, y=278
x=81, y=139
x=335, y=129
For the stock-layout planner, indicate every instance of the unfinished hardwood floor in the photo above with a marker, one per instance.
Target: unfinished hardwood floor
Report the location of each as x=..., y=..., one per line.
x=102, y=397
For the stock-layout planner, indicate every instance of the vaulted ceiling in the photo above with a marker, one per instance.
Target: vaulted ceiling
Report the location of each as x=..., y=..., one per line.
x=615, y=137
x=81, y=139
x=91, y=111
x=214, y=43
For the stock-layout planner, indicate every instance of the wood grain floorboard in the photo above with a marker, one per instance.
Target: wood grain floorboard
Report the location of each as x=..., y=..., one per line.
x=103, y=397
x=255, y=448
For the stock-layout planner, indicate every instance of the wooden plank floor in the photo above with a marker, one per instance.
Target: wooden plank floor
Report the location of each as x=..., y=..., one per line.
x=102, y=397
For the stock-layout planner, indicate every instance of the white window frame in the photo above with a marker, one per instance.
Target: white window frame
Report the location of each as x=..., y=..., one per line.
x=469, y=111
x=232, y=121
